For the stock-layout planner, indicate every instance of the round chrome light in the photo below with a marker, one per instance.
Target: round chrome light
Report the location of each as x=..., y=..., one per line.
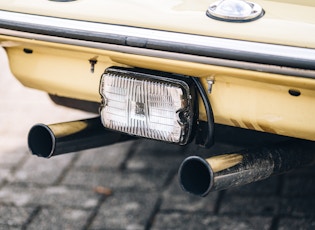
x=235, y=10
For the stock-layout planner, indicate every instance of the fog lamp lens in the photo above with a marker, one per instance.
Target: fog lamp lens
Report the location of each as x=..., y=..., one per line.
x=146, y=104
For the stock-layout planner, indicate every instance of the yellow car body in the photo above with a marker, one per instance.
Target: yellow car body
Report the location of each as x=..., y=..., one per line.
x=258, y=75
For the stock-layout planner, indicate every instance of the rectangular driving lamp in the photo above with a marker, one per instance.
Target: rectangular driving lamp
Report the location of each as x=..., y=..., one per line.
x=149, y=104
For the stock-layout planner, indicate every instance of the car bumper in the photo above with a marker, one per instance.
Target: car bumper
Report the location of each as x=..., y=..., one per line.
x=252, y=85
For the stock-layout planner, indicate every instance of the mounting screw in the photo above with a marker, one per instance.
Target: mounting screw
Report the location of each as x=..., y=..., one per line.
x=93, y=61
x=210, y=81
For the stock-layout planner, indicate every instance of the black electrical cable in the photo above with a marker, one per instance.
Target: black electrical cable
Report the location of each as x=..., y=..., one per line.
x=209, y=140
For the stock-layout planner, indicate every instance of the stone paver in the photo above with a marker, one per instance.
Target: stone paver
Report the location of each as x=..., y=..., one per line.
x=131, y=185
x=42, y=171
x=57, y=218
x=126, y=210
x=176, y=200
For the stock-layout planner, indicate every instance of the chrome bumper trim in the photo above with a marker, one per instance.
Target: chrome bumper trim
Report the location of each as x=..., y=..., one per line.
x=256, y=56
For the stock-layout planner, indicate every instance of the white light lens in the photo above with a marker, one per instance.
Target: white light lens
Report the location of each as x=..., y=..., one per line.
x=143, y=106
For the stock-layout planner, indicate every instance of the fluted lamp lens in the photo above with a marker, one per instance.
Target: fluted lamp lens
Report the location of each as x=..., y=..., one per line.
x=145, y=105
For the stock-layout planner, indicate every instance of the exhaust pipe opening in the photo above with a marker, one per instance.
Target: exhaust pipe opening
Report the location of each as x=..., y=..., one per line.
x=55, y=139
x=41, y=140
x=196, y=176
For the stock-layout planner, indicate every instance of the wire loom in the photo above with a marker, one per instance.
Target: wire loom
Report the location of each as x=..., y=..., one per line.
x=205, y=134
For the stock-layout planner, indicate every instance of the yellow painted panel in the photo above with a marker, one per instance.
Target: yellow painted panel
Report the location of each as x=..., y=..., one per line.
x=242, y=98
x=285, y=22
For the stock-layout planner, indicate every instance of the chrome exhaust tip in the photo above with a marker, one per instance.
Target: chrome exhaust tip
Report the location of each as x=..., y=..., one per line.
x=41, y=140
x=196, y=176
x=55, y=139
x=200, y=176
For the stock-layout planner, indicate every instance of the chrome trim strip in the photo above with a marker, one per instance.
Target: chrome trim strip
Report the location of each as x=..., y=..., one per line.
x=167, y=55
x=195, y=48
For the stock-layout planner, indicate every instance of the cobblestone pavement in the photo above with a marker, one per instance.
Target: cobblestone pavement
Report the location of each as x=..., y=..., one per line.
x=131, y=185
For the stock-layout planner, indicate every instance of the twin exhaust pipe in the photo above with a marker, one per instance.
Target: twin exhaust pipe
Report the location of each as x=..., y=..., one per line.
x=200, y=176
x=51, y=140
x=197, y=175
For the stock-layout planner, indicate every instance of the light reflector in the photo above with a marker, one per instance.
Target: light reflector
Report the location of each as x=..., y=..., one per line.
x=146, y=104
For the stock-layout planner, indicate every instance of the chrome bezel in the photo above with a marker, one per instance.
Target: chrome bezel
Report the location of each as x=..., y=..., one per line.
x=256, y=12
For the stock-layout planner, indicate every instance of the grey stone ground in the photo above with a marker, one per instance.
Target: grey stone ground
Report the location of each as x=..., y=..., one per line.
x=131, y=185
